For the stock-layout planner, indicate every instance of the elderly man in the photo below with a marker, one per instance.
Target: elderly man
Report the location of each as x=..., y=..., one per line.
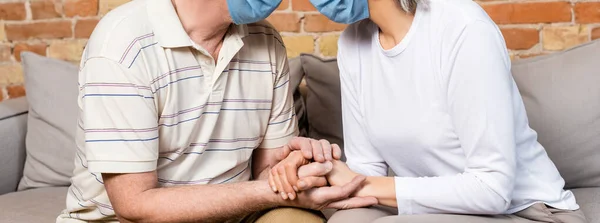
x=182, y=103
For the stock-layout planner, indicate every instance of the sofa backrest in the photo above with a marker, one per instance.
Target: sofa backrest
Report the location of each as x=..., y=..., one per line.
x=13, y=128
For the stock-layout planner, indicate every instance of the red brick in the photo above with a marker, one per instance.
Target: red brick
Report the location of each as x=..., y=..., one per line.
x=41, y=30
x=320, y=23
x=596, y=33
x=532, y=12
x=84, y=28
x=285, y=4
x=15, y=91
x=45, y=10
x=302, y=5
x=587, y=12
x=82, y=8
x=12, y=11
x=521, y=39
x=39, y=49
x=285, y=22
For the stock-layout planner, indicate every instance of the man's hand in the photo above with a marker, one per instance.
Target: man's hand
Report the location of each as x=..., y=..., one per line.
x=316, y=194
x=312, y=175
x=298, y=152
x=337, y=197
x=317, y=150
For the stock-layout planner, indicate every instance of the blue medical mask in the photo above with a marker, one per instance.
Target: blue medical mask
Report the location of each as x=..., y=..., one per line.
x=343, y=11
x=250, y=11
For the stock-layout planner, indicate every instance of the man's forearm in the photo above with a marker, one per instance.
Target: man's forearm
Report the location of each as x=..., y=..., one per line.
x=202, y=203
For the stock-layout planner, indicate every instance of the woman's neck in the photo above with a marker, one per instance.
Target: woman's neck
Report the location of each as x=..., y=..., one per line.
x=393, y=22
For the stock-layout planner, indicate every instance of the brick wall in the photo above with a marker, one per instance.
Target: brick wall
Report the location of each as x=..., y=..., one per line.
x=59, y=29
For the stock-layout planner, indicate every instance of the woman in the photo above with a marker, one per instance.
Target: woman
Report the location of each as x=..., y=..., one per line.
x=427, y=91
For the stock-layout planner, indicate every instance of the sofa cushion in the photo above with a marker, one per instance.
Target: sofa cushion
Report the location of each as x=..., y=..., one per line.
x=13, y=127
x=589, y=202
x=32, y=206
x=323, y=100
x=51, y=87
x=562, y=98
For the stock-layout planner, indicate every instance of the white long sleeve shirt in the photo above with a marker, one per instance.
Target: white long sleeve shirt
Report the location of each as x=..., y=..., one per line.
x=442, y=110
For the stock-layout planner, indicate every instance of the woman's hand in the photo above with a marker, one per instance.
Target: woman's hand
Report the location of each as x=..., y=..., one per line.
x=336, y=197
x=340, y=175
x=283, y=177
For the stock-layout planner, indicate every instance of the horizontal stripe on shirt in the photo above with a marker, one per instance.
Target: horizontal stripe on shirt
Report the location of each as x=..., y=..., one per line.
x=116, y=95
x=121, y=85
x=120, y=140
x=121, y=130
x=176, y=81
x=175, y=71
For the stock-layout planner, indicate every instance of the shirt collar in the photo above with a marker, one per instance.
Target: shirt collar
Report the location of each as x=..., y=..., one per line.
x=168, y=29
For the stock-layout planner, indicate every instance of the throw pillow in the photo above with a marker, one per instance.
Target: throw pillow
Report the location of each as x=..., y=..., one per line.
x=323, y=100
x=51, y=87
x=562, y=98
x=296, y=77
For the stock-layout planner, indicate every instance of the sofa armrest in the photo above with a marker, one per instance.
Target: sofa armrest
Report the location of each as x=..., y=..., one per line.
x=13, y=129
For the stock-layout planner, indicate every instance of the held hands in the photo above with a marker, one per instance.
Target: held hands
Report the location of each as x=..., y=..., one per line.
x=299, y=152
x=301, y=181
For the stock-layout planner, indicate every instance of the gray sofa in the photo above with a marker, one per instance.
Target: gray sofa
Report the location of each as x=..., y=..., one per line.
x=561, y=92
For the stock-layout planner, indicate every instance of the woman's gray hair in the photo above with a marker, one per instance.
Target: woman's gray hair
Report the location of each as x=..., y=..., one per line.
x=409, y=6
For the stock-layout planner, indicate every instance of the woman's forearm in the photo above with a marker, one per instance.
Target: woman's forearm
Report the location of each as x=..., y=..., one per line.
x=382, y=188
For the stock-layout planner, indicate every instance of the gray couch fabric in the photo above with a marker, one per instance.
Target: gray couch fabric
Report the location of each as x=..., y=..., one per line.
x=561, y=92
x=33, y=206
x=13, y=127
x=589, y=202
x=52, y=95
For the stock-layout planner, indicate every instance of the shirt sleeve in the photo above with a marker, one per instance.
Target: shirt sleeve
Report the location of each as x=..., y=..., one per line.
x=283, y=125
x=119, y=118
x=361, y=156
x=481, y=96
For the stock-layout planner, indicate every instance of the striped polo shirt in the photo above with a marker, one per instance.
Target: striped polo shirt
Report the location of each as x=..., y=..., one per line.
x=150, y=99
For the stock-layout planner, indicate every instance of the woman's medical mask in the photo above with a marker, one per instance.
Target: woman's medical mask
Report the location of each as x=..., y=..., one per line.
x=249, y=11
x=343, y=11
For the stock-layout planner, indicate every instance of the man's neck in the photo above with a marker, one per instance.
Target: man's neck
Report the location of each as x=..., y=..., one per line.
x=393, y=22
x=205, y=21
